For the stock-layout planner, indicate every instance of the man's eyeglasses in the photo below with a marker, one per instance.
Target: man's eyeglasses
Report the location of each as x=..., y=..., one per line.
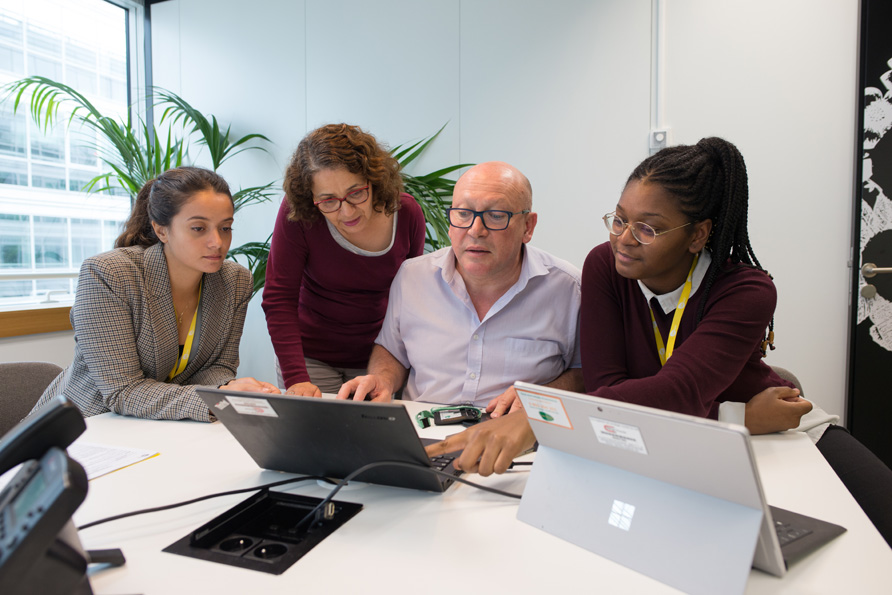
x=642, y=232
x=356, y=197
x=492, y=220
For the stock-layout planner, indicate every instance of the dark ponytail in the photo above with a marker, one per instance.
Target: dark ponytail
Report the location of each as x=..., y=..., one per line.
x=161, y=199
x=709, y=179
x=138, y=227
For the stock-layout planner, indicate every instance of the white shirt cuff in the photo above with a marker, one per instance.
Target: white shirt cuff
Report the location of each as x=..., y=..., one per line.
x=732, y=412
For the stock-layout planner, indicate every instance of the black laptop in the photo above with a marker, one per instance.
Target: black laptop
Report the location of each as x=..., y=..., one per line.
x=328, y=437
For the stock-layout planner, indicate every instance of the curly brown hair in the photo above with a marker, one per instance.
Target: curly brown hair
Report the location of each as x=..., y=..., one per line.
x=341, y=146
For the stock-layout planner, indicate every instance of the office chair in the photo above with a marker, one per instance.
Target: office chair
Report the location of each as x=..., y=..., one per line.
x=788, y=376
x=21, y=384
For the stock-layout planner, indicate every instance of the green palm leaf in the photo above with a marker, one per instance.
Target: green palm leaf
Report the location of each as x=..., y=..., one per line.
x=135, y=153
x=254, y=194
x=256, y=255
x=433, y=191
x=219, y=143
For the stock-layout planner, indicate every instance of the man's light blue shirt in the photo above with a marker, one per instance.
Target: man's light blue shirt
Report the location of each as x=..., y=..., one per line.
x=432, y=328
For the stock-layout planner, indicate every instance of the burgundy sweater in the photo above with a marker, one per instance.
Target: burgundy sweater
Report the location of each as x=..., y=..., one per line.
x=325, y=302
x=717, y=360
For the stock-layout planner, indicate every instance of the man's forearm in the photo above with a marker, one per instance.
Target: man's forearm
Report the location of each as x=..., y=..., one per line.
x=384, y=365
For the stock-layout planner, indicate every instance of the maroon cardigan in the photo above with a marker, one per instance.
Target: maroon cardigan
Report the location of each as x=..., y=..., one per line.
x=717, y=360
x=325, y=302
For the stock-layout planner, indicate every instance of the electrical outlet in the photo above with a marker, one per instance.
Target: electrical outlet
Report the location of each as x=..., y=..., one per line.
x=659, y=139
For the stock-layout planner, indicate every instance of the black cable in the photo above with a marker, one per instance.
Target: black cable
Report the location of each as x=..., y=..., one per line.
x=315, y=511
x=319, y=506
x=199, y=499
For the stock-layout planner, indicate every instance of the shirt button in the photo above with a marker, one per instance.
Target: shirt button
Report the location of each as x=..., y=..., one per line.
x=476, y=336
x=473, y=376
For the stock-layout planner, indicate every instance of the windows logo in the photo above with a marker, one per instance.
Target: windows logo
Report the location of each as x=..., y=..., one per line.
x=621, y=515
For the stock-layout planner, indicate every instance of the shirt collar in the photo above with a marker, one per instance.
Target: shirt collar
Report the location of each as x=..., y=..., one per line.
x=669, y=301
x=532, y=264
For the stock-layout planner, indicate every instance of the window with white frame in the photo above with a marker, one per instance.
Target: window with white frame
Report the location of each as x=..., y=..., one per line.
x=48, y=223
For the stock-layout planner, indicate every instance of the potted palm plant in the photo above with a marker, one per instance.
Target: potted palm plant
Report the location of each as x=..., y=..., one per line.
x=136, y=153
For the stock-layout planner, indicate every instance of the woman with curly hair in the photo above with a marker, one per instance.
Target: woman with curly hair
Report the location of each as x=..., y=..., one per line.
x=343, y=231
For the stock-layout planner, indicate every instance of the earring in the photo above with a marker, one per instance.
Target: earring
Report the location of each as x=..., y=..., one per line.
x=767, y=344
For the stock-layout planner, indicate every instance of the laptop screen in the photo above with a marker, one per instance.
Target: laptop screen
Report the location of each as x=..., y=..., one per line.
x=325, y=437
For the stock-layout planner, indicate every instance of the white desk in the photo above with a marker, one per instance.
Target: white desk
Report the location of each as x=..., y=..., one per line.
x=405, y=541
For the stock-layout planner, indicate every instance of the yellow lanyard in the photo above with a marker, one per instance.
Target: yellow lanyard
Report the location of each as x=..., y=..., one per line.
x=183, y=360
x=666, y=352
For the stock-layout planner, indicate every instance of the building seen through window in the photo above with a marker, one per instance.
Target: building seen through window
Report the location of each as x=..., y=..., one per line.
x=48, y=224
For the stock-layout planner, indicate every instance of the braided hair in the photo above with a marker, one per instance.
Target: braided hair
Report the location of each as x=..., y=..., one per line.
x=710, y=182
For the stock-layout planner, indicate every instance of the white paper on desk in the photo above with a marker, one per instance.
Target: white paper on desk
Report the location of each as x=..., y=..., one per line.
x=99, y=459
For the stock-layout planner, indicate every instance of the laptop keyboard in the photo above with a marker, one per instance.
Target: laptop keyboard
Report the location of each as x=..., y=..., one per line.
x=441, y=462
x=787, y=532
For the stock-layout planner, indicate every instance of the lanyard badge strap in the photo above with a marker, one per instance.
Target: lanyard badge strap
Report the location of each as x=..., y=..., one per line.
x=666, y=352
x=183, y=360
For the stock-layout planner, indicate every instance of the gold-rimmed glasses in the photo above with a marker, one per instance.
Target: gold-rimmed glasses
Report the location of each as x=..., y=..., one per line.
x=642, y=232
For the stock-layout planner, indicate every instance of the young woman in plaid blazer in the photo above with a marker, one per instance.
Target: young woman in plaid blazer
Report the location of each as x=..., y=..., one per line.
x=163, y=312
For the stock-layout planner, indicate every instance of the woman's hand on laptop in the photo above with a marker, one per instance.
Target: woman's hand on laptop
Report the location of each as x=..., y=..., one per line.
x=304, y=389
x=373, y=387
x=775, y=409
x=249, y=384
x=489, y=447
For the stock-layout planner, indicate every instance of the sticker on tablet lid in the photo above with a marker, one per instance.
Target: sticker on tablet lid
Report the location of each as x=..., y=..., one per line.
x=251, y=406
x=545, y=408
x=617, y=435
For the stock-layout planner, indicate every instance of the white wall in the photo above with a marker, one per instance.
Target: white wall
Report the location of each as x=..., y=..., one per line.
x=244, y=63
x=779, y=80
x=57, y=348
x=562, y=90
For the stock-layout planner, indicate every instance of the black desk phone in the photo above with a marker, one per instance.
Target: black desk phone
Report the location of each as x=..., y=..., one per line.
x=39, y=548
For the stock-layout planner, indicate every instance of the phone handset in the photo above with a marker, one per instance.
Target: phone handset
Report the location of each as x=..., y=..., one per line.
x=39, y=548
x=58, y=423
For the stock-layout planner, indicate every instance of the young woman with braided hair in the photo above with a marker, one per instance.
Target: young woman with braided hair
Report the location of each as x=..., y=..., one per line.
x=679, y=244
x=676, y=305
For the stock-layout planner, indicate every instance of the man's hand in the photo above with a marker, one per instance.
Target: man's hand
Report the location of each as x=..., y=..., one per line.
x=489, y=447
x=775, y=409
x=249, y=384
x=507, y=402
x=372, y=385
x=304, y=389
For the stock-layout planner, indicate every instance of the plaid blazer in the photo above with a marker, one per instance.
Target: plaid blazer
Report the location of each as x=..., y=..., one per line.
x=126, y=340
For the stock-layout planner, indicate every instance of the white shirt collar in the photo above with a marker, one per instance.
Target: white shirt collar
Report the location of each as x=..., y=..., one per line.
x=669, y=301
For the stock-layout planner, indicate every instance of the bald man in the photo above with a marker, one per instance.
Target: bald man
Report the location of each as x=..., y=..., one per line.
x=464, y=322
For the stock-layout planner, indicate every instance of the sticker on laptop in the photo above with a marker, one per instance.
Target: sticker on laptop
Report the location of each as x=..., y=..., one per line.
x=221, y=404
x=251, y=406
x=545, y=408
x=611, y=433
